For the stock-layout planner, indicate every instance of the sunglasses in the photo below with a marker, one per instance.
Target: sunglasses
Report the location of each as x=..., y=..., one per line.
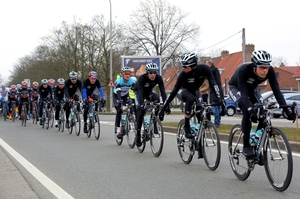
x=263, y=68
x=73, y=78
x=126, y=73
x=152, y=72
x=183, y=66
x=93, y=78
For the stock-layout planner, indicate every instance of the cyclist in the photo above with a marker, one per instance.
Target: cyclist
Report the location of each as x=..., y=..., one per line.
x=72, y=85
x=12, y=97
x=131, y=91
x=59, y=96
x=3, y=97
x=144, y=87
x=45, y=93
x=242, y=90
x=34, y=95
x=121, y=94
x=89, y=85
x=24, y=96
x=187, y=87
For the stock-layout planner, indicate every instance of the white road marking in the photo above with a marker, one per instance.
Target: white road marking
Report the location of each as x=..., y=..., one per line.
x=47, y=182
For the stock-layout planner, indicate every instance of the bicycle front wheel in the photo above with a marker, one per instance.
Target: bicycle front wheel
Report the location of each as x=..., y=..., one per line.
x=211, y=146
x=238, y=163
x=130, y=128
x=77, y=125
x=4, y=112
x=96, y=128
x=278, y=160
x=185, y=146
x=62, y=120
x=156, y=137
x=51, y=117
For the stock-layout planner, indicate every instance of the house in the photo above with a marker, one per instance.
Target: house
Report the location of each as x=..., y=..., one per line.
x=288, y=76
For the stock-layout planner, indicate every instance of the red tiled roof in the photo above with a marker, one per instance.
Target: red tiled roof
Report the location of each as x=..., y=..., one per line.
x=170, y=78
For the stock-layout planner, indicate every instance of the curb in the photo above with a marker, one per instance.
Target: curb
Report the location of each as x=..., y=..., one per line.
x=295, y=146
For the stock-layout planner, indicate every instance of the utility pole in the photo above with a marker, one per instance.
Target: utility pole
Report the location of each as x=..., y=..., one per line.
x=244, y=45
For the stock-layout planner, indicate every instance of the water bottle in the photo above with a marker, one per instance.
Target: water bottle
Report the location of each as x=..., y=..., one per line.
x=252, y=139
x=258, y=134
x=146, y=122
x=197, y=126
x=123, y=119
x=193, y=128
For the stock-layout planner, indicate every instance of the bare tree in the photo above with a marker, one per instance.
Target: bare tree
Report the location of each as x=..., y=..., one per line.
x=279, y=61
x=158, y=28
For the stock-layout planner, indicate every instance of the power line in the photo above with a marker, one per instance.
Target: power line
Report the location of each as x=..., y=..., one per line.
x=221, y=41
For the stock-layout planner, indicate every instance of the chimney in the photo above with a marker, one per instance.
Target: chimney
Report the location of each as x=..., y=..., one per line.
x=249, y=49
x=224, y=53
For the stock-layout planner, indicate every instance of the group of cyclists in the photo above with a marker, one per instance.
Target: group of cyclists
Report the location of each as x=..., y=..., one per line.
x=242, y=90
x=67, y=91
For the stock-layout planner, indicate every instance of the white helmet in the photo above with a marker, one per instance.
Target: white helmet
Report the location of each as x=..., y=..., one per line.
x=73, y=74
x=61, y=81
x=260, y=57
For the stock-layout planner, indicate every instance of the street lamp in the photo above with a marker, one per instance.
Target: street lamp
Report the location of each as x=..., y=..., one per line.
x=110, y=45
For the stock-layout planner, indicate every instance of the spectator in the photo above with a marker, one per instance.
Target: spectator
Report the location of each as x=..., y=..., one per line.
x=212, y=97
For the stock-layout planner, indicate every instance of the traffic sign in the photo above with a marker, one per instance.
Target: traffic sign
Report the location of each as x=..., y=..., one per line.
x=111, y=83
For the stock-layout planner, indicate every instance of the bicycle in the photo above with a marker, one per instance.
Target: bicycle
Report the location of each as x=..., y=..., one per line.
x=34, y=112
x=272, y=149
x=61, y=116
x=24, y=113
x=51, y=113
x=3, y=111
x=206, y=140
x=93, y=120
x=45, y=114
x=13, y=110
x=128, y=125
x=74, y=118
x=152, y=131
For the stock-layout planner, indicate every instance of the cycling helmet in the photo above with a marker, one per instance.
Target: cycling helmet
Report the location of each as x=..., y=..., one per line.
x=189, y=59
x=151, y=67
x=260, y=57
x=24, y=83
x=35, y=84
x=73, y=75
x=44, y=81
x=51, y=82
x=126, y=69
x=19, y=86
x=61, y=81
x=13, y=86
x=2, y=86
x=93, y=74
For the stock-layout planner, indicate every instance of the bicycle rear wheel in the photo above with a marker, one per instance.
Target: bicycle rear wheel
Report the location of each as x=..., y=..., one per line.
x=238, y=162
x=185, y=146
x=278, y=160
x=211, y=146
x=156, y=137
x=130, y=128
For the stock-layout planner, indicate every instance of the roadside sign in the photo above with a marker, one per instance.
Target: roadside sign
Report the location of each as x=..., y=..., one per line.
x=111, y=83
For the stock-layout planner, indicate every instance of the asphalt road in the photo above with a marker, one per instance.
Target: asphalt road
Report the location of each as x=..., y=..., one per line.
x=82, y=167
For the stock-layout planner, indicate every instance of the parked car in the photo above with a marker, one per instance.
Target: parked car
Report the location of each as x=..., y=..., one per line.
x=269, y=94
x=231, y=106
x=289, y=98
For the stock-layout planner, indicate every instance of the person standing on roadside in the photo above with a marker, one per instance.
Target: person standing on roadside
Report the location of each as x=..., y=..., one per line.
x=217, y=110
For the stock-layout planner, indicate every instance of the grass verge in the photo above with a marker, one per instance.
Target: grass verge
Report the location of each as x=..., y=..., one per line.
x=291, y=133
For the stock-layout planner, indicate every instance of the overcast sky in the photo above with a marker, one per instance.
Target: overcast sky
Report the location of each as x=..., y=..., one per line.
x=272, y=25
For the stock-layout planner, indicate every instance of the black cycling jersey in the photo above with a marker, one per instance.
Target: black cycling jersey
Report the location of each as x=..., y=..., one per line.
x=45, y=92
x=88, y=88
x=246, y=81
x=193, y=80
x=59, y=93
x=144, y=87
x=70, y=88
